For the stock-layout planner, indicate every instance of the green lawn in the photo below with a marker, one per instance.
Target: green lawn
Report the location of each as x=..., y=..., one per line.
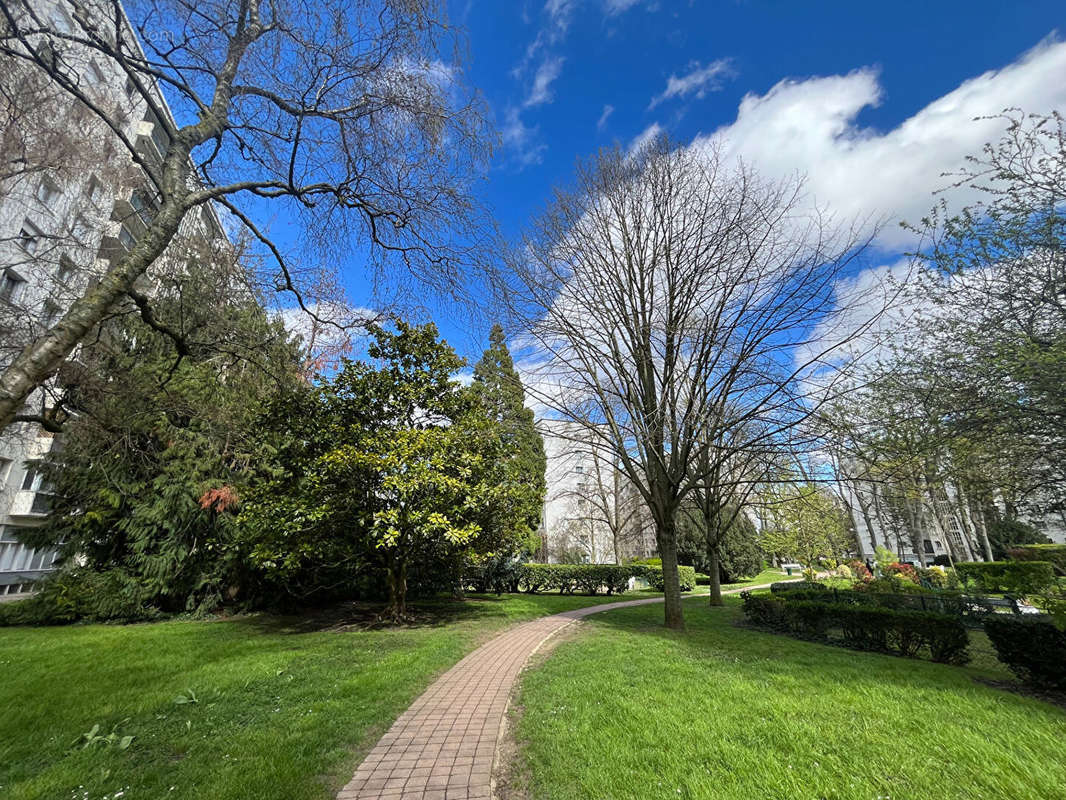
x=629, y=710
x=281, y=710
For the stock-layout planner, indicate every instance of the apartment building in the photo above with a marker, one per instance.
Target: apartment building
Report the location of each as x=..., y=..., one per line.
x=591, y=512
x=72, y=201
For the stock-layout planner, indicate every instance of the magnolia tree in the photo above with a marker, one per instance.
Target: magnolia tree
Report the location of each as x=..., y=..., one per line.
x=675, y=304
x=347, y=117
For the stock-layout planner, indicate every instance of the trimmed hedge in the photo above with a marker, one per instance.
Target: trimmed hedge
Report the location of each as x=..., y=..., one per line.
x=863, y=627
x=654, y=576
x=1033, y=649
x=1055, y=553
x=791, y=587
x=1011, y=577
x=574, y=578
x=594, y=578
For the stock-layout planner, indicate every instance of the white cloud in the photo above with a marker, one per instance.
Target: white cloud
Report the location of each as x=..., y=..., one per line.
x=602, y=121
x=645, y=136
x=521, y=139
x=541, y=91
x=811, y=127
x=332, y=328
x=615, y=7
x=698, y=81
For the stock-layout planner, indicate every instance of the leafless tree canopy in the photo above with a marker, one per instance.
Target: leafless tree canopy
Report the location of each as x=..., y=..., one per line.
x=676, y=304
x=346, y=116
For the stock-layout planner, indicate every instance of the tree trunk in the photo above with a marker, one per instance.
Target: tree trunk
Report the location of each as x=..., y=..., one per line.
x=666, y=533
x=715, y=576
x=41, y=358
x=398, y=590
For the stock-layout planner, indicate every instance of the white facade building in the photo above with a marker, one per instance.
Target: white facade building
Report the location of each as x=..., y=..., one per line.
x=60, y=233
x=950, y=528
x=591, y=512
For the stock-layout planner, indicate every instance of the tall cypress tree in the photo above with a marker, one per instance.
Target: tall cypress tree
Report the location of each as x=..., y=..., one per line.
x=521, y=461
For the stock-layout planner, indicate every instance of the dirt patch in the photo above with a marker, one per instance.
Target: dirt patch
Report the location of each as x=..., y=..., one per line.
x=1052, y=696
x=510, y=778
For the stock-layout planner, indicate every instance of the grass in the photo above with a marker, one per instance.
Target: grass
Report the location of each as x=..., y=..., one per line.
x=630, y=710
x=255, y=707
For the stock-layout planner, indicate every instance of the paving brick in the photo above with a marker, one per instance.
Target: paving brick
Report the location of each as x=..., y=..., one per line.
x=443, y=747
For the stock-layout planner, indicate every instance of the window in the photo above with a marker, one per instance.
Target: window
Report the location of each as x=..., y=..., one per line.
x=65, y=270
x=48, y=193
x=11, y=285
x=95, y=190
x=125, y=238
x=49, y=313
x=131, y=88
x=29, y=480
x=93, y=74
x=30, y=237
x=144, y=206
x=580, y=468
x=60, y=21
x=80, y=229
x=5, y=470
x=928, y=546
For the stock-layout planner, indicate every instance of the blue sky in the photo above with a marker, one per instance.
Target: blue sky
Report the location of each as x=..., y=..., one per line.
x=621, y=55
x=871, y=101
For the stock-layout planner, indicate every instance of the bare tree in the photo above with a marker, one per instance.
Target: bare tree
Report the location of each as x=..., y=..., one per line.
x=347, y=116
x=669, y=294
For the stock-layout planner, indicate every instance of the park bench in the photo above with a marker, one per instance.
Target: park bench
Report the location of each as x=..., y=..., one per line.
x=789, y=567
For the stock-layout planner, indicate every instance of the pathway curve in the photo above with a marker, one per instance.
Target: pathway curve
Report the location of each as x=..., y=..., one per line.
x=443, y=746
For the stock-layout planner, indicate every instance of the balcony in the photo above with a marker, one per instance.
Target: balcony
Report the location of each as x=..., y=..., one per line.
x=151, y=141
x=32, y=504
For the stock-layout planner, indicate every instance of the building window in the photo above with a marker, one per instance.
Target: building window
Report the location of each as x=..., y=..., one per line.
x=125, y=238
x=131, y=88
x=34, y=481
x=30, y=237
x=928, y=546
x=49, y=313
x=93, y=74
x=144, y=206
x=59, y=19
x=5, y=470
x=81, y=229
x=65, y=270
x=580, y=468
x=11, y=285
x=95, y=190
x=48, y=193
x=29, y=480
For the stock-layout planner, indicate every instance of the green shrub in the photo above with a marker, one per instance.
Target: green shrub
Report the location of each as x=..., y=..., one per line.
x=1033, y=649
x=1055, y=553
x=654, y=576
x=797, y=586
x=763, y=610
x=73, y=595
x=890, y=584
x=864, y=626
x=575, y=578
x=1012, y=577
x=703, y=580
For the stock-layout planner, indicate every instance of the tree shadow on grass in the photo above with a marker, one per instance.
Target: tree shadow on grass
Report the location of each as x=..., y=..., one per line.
x=359, y=615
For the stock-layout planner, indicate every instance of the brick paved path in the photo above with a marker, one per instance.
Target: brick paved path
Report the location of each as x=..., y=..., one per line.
x=443, y=746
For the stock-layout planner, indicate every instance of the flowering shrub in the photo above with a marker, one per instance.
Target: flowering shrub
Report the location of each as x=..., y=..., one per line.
x=905, y=571
x=859, y=570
